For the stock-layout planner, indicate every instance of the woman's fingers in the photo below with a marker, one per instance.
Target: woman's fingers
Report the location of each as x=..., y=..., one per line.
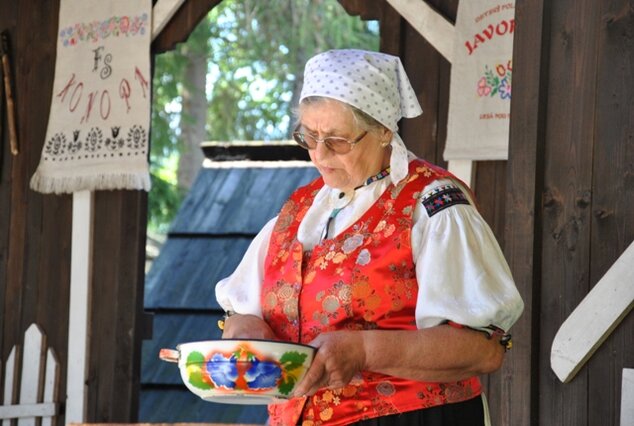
x=314, y=379
x=339, y=357
x=247, y=327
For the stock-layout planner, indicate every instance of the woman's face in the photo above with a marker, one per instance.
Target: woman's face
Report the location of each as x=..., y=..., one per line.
x=343, y=171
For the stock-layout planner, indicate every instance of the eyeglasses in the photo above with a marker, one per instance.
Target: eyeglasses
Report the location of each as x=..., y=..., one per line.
x=333, y=143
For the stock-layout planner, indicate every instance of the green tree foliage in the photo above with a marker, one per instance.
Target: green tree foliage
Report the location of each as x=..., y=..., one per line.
x=257, y=50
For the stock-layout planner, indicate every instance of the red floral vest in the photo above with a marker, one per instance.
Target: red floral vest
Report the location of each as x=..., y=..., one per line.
x=363, y=279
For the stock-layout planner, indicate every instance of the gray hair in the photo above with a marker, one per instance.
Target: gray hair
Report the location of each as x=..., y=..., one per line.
x=360, y=118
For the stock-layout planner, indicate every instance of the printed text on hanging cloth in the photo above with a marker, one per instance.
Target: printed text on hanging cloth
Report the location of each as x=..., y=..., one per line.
x=82, y=100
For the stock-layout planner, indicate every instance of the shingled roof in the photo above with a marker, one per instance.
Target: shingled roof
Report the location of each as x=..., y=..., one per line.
x=227, y=205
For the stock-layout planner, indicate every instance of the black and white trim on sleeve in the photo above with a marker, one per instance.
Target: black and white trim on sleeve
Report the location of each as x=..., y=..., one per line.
x=442, y=197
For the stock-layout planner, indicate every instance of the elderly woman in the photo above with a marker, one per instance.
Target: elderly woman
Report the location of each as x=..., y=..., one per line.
x=383, y=264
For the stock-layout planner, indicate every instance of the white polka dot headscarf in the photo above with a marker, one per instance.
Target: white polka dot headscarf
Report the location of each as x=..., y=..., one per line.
x=375, y=83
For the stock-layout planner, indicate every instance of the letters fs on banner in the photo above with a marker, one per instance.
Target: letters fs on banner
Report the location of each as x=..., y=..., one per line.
x=98, y=129
x=481, y=81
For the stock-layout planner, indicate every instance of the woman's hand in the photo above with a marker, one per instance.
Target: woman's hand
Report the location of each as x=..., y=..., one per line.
x=239, y=326
x=339, y=357
x=437, y=354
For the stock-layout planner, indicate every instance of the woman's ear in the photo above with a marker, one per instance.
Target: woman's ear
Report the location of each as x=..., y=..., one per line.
x=386, y=137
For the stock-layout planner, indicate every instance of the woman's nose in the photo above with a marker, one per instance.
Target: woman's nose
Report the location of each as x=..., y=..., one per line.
x=322, y=151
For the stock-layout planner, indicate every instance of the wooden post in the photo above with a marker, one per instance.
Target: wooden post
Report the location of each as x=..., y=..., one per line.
x=80, y=279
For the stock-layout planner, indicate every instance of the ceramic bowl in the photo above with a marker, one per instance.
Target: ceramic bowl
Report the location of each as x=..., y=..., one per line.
x=241, y=371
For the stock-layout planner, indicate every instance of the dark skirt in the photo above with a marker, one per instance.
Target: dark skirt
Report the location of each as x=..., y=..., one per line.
x=465, y=413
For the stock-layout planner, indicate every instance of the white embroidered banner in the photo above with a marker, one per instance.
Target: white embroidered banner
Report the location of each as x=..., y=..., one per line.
x=480, y=88
x=98, y=128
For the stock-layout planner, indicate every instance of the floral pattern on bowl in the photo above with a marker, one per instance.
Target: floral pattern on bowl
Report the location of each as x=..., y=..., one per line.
x=263, y=371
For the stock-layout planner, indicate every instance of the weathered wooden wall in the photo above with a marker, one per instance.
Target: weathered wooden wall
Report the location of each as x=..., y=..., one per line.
x=570, y=199
x=35, y=229
x=586, y=214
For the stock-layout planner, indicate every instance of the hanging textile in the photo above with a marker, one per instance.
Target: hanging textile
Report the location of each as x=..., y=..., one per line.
x=98, y=129
x=480, y=88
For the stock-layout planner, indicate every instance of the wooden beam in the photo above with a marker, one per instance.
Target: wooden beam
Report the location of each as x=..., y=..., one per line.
x=366, y=10
x=181, y=25
x=28, y=411
x=598, y=314
x=429, y=23
x=162, y=12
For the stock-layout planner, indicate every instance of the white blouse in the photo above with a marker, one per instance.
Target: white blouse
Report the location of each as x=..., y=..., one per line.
x=461, y=272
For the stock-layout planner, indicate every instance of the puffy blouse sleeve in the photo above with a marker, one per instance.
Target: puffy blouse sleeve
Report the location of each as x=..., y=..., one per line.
x=461, y=271
x=240, y=292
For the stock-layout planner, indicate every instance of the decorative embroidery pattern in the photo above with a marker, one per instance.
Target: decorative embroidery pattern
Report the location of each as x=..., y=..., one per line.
x=61, y=148
x=499, y=82
x=442, y=197
x=95, y=31
x=380, y=175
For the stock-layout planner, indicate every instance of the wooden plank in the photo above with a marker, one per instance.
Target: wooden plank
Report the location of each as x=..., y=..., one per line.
x=566, y=227
x=627, y=397
x=162, y=12
x=46, y=281
x=118, y=277
x=10, y=382
x=423, y=66
x=429, y=74
x=449, y=9
x=463, y=170
x=25, y=412
x=51, y=385
x=30, y=246
x=7, y=20
x=18, y=213
x=490, y=189
x=391, y=24
x=514, y=397
x=612, y=197
x=600, y=312
x=439, y=32
x=51, y=379
x=32, y=369
x=53, y=277
x=78, y=324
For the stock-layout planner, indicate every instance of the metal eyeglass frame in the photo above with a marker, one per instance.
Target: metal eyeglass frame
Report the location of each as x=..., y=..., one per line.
x=300, y=138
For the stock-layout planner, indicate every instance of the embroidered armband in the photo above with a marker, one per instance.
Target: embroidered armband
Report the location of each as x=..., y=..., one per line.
x=442, y=197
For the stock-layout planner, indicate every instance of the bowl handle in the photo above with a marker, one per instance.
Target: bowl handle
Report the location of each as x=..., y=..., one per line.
x=169, y=355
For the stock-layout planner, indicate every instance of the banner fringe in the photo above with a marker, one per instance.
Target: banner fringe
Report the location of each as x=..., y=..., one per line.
x=105, y=181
